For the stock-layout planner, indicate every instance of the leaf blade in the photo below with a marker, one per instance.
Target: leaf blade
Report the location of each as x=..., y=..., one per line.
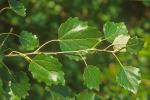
x=129, y=78
x=91, y=77
x=46, y=69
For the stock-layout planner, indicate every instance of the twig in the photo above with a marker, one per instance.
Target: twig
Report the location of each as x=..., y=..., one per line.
x=118, y=59
x=3, y=9
x=6, y=38
x=45, y=44
x=58, y=52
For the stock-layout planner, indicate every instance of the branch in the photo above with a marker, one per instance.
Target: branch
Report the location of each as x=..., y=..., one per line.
x=3, y=9
x=58, y=52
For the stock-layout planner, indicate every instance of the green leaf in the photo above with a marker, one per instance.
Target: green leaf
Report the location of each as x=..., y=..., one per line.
x=120, y=42
x=113, y=30
x=86, y=95
x=20, y=85
x=77, y=35
x=134, y=45
x=17, y=7
x=47, y=69
x=13, y=96
x=92, y=77
x=57, y=96
x=129, y=78
x=28, y=40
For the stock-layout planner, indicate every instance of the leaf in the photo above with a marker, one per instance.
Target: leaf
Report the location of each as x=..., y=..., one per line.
x=47, y=69
x=57, y=96
x=113, y=30
x=20, y=85
x=17, y=7
x=28, y=40
x=120, y=43
x=91, y=77
x=13, y=97
x=134, y=45
x=86, y=95
x=129, y=78
x=77, y=35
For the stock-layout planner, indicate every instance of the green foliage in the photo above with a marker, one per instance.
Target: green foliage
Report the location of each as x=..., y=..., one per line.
x=77, y=35
x=20, y=85
x=86, y=95
x=113, y=30
x=129, y=78
x=91, y=77
x=28, y=40
x=17, y=7
x=79, y=63
x=13, y=97
x=57, y=96
x=47, y=69
x=134, y=45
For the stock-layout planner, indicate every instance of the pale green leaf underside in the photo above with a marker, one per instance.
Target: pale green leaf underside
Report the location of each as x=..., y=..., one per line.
x=77, y=35
x=112, y=30
x=47, y=69
x=17, y=7
x=28, y=40
x=119, y=44
x=20, y=85
x=129, y=78
x=86, y=95
x=91, y=77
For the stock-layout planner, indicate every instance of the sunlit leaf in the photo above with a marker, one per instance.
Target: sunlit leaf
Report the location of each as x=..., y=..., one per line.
x=129, y=78
x=113, y=30
x=92, y=77
x=13, y=96
x=28, y=40
x=77, y=35
x=47, y=69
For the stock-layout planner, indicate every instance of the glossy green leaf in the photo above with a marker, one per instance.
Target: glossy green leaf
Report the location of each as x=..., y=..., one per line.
x=92, y=77
x=113, y=30
x=119, y=44
x=28, y=40
x=129, y=78
x=77, y=35
x=134, y=45
x=17, y=7
x=20, y=84
x=47, y=69
x=86, y=95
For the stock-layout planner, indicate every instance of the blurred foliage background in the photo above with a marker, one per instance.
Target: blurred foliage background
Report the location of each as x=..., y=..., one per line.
x=44, y=17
